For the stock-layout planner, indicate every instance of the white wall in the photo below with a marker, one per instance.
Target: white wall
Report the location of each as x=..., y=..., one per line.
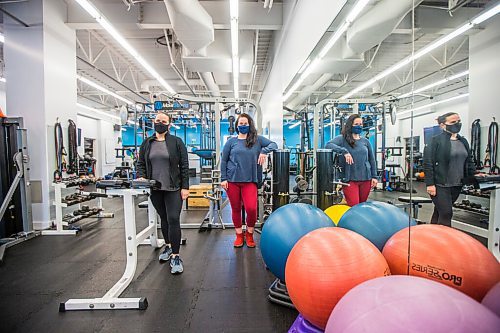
x=305, y=22
x=40, y=69
x=484, y=74
x=106, y=138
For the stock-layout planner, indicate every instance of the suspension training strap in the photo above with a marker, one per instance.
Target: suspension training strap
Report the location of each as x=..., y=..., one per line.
x=60, y=152
x=476, y=144
x=492, y=149
x=72, y=148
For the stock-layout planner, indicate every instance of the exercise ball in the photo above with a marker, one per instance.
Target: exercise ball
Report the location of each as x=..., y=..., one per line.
x=396, y=304
x=283, y=228
x=335, y=212
x=445, y=255
x=376, y=221
x=324, y=265
x=492, y=299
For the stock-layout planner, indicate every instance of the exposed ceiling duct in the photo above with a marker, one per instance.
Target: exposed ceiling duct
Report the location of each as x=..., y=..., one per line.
x=194, y=28
x=209, y=81
x=376, y=24
x=367, y=31
x=192, y=25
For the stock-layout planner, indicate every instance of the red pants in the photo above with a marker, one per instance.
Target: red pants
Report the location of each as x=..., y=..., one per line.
x=357, y=192
x=246, y=193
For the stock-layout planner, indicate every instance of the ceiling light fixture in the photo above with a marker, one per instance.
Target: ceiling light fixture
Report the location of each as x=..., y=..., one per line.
x=433, y=104
x=294, y=125
x=103, y=21
x=104, y=90
x=435, y=84
x=432, y=46
x=97, y=111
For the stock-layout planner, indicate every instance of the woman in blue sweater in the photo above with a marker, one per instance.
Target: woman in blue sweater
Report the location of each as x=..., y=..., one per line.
x=241, y=171
x=357, y=161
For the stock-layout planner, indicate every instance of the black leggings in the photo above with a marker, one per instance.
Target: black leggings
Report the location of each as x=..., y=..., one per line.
x=443, y=204
x=168, y=205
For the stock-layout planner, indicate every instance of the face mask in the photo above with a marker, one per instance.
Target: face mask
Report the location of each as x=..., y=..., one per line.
x=161, y=128
x=244, y=129
x=357, y=129
x=455, y=128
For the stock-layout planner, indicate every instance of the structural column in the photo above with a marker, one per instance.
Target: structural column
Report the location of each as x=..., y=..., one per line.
x=40, y=68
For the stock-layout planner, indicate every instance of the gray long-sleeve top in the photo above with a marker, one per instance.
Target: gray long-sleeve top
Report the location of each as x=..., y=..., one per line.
x=364, y=166
x=239, y=163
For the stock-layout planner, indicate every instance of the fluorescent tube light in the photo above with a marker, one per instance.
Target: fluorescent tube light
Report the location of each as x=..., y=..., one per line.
x=435, y=84
x=104, y=90
x=98, y=111
x=103, y=21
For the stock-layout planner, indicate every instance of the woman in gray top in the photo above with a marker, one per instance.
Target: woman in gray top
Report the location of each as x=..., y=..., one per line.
x=447, y=161
x=357, y=161
x=163, y=157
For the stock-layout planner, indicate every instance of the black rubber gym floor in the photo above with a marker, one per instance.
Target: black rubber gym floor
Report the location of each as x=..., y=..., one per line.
x=221, y=290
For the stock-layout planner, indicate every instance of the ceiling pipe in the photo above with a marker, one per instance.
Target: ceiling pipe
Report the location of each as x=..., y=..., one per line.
x=174, y=67
x=254, y=67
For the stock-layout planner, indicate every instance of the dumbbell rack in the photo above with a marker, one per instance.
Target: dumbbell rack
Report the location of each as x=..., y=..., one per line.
x=492, y=234
x=60, y=205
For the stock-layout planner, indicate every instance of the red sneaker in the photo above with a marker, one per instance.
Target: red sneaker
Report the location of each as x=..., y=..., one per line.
x=239, y=240
x=249, y=239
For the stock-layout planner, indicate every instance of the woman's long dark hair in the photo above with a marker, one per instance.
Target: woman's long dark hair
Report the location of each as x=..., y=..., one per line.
x=252, y=134
x=442, y=119
x=347, y=130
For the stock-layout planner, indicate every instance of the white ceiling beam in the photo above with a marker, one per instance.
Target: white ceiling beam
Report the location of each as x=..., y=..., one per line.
x=153, y=15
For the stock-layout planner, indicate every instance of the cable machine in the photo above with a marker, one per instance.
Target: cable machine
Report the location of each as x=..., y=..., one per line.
x=16, y=222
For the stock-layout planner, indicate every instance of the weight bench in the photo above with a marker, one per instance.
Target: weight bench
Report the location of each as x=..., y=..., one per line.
x=415, y=203
x=129, y=191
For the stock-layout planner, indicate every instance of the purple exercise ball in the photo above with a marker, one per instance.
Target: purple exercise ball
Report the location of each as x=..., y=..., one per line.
x=399, y=303
x=492, y=299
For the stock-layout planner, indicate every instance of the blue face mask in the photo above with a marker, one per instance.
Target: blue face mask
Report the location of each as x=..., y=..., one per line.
x=244, y=129
x=357, y=129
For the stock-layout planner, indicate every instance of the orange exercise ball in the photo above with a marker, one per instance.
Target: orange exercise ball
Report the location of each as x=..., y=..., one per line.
x=324, y=265
x=445, y=255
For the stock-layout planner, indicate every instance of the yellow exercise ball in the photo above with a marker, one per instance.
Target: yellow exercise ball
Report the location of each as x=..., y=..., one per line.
x=335, y=212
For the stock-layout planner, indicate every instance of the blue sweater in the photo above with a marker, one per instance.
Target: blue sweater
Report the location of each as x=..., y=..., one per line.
x=239, y=163
x=364, y=167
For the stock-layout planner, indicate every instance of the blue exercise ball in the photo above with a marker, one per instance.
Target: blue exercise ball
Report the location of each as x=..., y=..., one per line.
x=283, y=228
x=376, y=221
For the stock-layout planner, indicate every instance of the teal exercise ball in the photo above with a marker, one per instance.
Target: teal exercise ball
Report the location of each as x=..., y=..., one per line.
x=284, y=228
x=376, y=221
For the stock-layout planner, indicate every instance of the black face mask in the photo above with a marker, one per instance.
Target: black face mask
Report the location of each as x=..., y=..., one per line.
x=161, y=128
x=455, y=128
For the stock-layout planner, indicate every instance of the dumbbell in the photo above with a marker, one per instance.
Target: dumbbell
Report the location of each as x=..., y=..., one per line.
x=465, y=202
x=301, y=184
x=475, y=205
